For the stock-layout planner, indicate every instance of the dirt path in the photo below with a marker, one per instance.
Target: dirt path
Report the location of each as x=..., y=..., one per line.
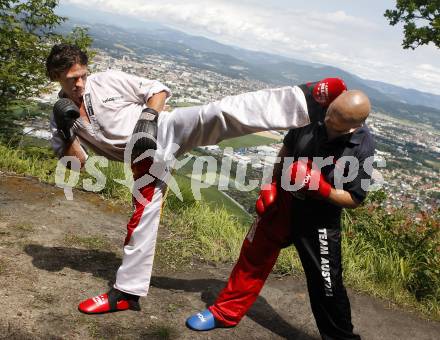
x=54, y=253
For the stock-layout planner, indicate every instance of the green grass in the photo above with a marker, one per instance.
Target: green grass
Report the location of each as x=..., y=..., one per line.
x=22, y=230
x=28, y=161
x=23, y=227
x=198, y=230
x=114, y=190
x=390, y=255
x=247, y=141
x=214, y=198
x=96, y=242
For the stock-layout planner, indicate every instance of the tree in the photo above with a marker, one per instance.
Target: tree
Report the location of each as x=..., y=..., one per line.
x=421, y=20
x=26, y=37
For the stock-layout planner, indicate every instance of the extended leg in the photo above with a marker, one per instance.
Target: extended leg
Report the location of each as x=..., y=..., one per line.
x=260, y=250
x=233, y=116
x=257, y=258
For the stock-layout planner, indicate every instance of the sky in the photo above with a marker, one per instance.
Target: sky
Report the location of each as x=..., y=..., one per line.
x=352, y=35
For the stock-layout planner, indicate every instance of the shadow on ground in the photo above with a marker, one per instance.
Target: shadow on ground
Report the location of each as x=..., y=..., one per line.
x=104, y=265
x=261, y=312
x=101, y=264
x=14, y=331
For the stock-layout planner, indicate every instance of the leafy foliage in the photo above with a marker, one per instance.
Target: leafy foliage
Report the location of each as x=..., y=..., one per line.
x=396, y=247
x=26, y=37
x=421, y=19
x=25, y=33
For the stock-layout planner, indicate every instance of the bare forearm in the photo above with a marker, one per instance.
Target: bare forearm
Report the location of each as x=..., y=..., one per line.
x=342, y=198
x=157, y=101
x=76, y=150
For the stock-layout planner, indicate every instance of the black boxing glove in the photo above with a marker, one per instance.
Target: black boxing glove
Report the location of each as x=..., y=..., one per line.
x=65, y=112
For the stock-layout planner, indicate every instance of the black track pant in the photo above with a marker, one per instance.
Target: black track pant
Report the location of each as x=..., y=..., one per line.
x=320, y=252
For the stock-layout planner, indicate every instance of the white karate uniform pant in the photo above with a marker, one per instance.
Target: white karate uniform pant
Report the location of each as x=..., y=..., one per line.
x=178, y=132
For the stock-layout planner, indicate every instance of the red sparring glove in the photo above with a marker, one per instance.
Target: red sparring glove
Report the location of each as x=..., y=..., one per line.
x=266, y=199
x=305, y=173
x=326, y=90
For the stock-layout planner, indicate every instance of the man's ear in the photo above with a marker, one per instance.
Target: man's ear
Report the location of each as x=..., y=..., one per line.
x=54, y=77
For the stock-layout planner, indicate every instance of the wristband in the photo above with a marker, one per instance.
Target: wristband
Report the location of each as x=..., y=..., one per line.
x=149, y=114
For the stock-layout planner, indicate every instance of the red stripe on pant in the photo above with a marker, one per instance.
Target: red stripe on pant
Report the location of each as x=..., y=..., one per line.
x=139, y=169
x=257, y=257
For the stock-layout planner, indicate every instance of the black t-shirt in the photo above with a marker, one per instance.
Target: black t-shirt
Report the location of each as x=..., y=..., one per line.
x=312, y=141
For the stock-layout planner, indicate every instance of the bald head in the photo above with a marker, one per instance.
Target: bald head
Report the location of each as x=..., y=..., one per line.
x=347, y=112
x=352, y=107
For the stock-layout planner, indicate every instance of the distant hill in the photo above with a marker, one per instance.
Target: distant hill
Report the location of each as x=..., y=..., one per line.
x=203, y=53
x=404, y=95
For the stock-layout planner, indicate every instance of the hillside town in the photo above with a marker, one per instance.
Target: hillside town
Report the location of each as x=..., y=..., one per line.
x=411, y=153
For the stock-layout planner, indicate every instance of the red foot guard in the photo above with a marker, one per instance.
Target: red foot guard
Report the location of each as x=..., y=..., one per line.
x=113, y=301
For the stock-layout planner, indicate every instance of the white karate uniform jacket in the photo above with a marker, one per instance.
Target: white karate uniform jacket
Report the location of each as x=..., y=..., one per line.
x=114, y=101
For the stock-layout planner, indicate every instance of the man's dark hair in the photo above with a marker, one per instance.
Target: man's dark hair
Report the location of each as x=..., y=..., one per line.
x=62, y=57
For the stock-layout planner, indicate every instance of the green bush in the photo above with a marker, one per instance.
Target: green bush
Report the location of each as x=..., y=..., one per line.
x=394, y=254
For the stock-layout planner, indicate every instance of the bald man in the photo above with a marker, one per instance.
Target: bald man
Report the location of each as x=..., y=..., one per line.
x=302, y=206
